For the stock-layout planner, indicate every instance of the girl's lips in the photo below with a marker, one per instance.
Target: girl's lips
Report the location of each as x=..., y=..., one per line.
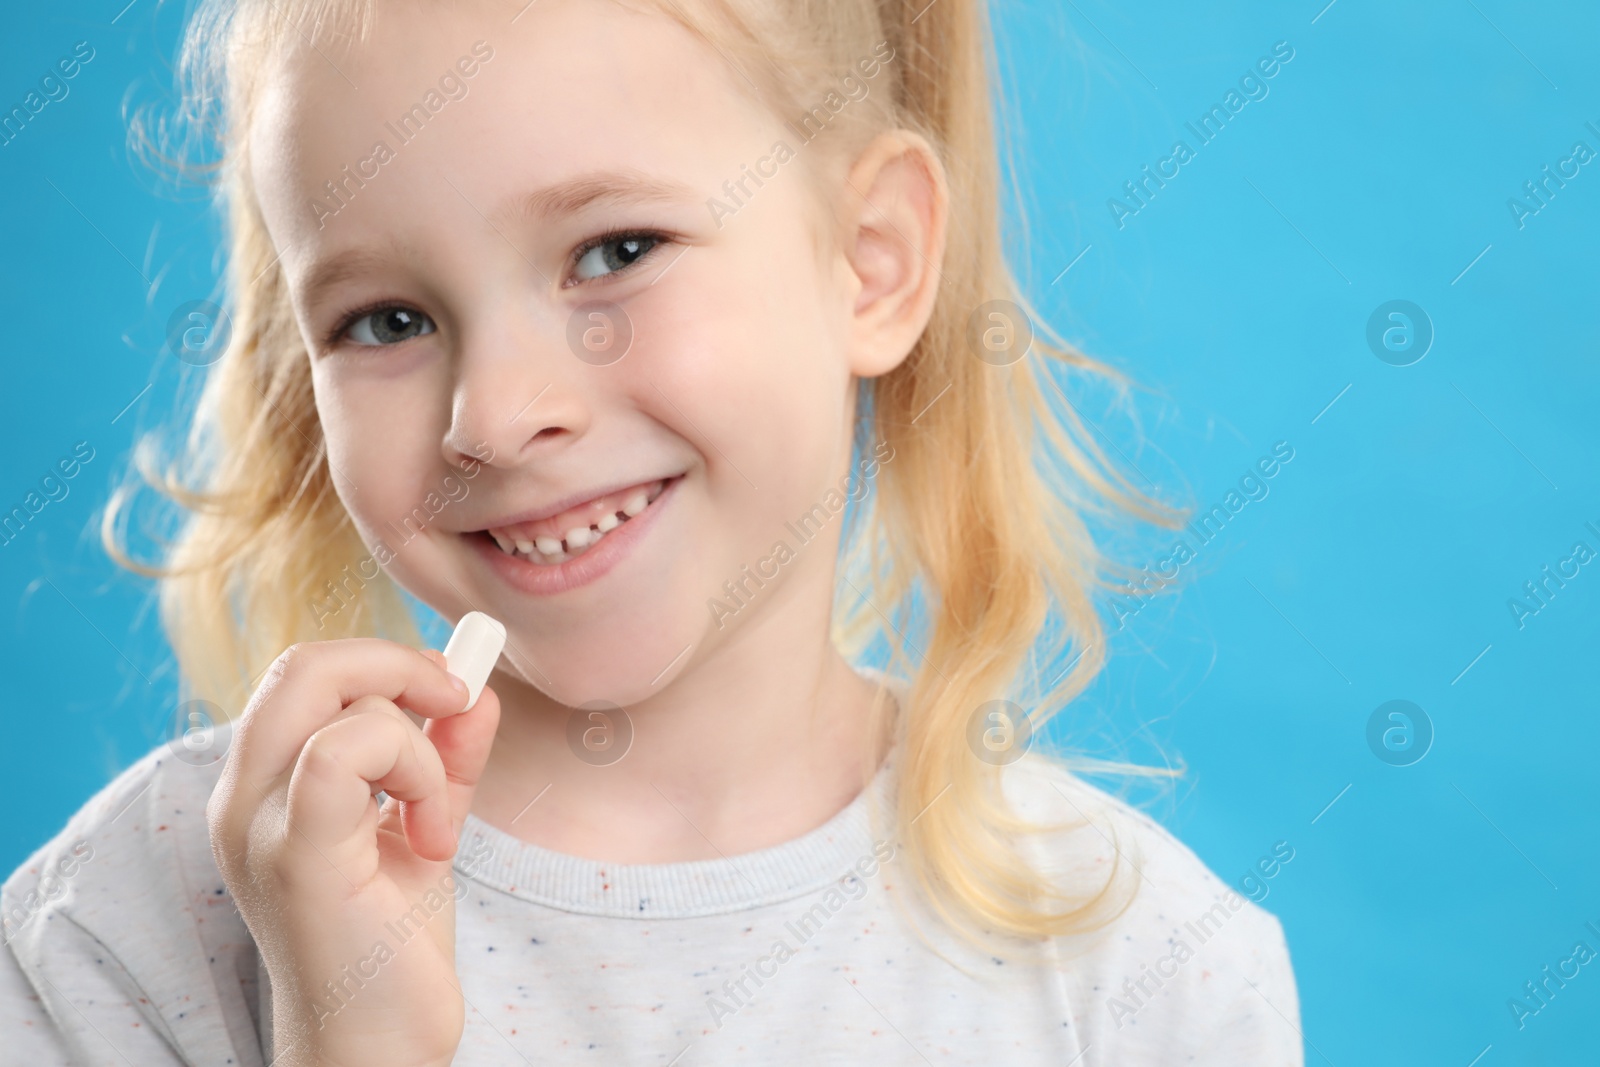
x=544, y=579
x=555, y=539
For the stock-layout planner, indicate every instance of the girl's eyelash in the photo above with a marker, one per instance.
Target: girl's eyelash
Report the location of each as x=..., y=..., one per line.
x=350, y=318
x=592, y=243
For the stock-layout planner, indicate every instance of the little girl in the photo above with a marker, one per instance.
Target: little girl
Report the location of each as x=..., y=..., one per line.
x=616, y=322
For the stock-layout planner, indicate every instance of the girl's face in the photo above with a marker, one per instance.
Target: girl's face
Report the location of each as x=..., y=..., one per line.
x=448, y=196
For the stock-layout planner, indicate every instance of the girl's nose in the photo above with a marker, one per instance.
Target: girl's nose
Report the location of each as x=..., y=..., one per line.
x=521, y=392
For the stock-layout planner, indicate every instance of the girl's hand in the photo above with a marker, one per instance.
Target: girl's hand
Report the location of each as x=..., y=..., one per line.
x=353, y=907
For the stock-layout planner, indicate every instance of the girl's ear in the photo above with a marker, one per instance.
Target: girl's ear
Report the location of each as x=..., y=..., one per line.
x=895, y=210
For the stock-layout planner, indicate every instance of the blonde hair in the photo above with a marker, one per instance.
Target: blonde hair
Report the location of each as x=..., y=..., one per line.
x=970, y=521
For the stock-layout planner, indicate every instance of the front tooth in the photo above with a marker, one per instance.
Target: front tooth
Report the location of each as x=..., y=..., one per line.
x=548, y=545
x=578, y=537
x=525, y=547
x=504, y=543
x=609, y=523
x=635, y=504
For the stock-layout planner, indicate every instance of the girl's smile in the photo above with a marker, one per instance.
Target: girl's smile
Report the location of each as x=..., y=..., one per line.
x=537, y=557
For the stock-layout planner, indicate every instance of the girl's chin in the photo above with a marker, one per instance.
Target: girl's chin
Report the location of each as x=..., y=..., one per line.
x=580, y=684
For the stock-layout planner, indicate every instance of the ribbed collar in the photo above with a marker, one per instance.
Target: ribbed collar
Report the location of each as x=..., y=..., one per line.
x=794, y=868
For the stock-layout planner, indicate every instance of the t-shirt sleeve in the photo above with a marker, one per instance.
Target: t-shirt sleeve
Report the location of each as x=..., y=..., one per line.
x=31, y=1034
x=1190, y=972
x=74, y=1003
x=1261, y=1024
x=121, y=943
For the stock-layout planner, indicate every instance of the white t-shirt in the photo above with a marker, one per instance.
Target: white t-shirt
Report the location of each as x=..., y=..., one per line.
x=124, y=947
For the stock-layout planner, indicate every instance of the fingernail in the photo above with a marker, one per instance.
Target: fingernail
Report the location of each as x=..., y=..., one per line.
x=458, y=684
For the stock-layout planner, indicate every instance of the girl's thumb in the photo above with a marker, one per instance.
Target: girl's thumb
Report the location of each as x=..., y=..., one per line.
x=463, y=742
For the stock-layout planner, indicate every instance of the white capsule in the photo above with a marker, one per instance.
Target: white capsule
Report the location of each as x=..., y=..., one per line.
x=548, y=545
x=473, y=650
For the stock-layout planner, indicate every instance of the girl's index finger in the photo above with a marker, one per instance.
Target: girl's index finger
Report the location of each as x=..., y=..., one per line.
x=311, y=684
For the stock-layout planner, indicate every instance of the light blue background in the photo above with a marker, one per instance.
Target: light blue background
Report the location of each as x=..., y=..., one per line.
x=1379, y=567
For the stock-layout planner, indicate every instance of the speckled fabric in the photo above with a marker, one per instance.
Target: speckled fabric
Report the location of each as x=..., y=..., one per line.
x=125, y=948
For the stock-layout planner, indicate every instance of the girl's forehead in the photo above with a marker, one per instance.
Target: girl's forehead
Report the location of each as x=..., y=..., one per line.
x=570, y=86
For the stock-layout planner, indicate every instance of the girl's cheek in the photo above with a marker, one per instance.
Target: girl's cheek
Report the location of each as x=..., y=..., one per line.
x=365, y=400
x=378, y=446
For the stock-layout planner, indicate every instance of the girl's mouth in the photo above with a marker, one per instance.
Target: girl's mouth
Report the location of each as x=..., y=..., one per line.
x=553, y=541
x=553, y=555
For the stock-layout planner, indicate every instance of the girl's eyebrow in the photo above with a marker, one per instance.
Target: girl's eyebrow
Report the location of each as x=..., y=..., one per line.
x=552, y=201
x=331, y=270
x=604, y=186
x=348, y=264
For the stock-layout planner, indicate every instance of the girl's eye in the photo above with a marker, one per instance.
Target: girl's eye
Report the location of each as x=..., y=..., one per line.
x=387, y=326
x=614, y=254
